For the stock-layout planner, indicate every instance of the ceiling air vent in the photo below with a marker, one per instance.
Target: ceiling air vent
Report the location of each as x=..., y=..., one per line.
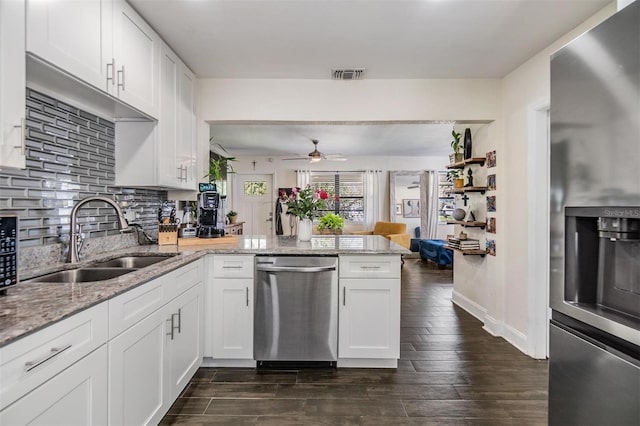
x=351, y=74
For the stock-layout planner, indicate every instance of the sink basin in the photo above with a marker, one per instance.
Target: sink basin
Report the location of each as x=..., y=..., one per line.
x=82, y=275
x=131, y=262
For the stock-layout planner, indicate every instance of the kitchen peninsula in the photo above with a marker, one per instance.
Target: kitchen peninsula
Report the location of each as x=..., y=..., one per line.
x=152, y=327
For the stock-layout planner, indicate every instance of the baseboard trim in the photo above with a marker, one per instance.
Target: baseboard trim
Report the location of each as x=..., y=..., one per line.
x=367, y=363
x=517, y=339
x=242, y=363
x=493, y=326
x=469, y=305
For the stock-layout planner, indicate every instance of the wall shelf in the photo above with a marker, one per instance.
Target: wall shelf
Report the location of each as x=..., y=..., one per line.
x=463, y=163
x=467, y=224
x=477, y=252
x=480, y=189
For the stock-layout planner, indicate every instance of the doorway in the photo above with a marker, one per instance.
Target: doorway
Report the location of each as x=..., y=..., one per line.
x=254, y=201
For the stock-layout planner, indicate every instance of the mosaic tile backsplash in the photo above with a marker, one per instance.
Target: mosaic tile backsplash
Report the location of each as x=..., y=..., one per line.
x=70, y=156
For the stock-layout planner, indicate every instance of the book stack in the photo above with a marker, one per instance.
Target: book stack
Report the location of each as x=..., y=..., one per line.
x=468, y=244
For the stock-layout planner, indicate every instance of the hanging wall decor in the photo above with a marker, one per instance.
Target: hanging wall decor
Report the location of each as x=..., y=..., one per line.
x=491, y=247
x=491, y=182
x=491, y=203
x=467, y=143
x=491, y=225
x=491, y=159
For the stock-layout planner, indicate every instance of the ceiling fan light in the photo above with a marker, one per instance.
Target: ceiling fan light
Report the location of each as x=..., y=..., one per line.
x=315, y=159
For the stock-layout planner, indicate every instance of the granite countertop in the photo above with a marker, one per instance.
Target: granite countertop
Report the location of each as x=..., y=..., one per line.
x=29, y=307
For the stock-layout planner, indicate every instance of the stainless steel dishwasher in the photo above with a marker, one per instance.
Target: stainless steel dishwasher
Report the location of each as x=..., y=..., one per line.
x=296, y=311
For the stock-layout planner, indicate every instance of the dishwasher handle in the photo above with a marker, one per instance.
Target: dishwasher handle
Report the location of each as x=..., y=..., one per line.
x=306, y=269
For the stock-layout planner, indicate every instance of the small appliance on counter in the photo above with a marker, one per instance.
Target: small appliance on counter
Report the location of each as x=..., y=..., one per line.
x=188, y=228
x=8, y=252
x=210, y=209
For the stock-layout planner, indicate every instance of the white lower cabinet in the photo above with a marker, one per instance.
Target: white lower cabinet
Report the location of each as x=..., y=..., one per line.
x=231, y=303
x=369, y=315
x=137, y=372
x=76, y=396
x=184, y=344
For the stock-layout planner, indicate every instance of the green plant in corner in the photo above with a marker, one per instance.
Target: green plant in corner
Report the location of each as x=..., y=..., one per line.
x=219, y=167
x=330, y=221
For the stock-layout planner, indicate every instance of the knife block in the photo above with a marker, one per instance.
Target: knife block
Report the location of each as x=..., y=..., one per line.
x=167, y=235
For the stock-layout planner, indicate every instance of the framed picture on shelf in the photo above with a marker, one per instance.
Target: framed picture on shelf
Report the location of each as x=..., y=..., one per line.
x=491, y=203
x=491, y=182
x=491, y=159
x=410, y=208
x=491, y=225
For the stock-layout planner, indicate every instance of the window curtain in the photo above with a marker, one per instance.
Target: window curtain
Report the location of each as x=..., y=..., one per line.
x=303, y=178
x=372, y=197
x=429, y=199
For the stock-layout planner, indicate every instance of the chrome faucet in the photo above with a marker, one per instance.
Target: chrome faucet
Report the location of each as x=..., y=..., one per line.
x=75, y=236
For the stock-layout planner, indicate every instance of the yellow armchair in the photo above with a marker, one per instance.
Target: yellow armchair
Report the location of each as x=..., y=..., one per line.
x=396, y=232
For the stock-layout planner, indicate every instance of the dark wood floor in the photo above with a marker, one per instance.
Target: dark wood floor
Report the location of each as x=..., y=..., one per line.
x=451, y=372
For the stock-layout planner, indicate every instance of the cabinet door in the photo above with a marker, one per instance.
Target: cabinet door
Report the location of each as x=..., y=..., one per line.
x=185, y=348
x=233, y=318
x=169, y=173
x=137, y=373
x=12, y=83
x=369, y=325
x=75, y=36
x=186, y=142
x=76, y=396
x=136, y=51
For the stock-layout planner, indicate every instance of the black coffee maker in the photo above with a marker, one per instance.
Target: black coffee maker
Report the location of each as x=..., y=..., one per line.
x=208, y=207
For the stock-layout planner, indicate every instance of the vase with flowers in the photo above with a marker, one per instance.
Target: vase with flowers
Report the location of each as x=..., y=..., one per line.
x=304, y=204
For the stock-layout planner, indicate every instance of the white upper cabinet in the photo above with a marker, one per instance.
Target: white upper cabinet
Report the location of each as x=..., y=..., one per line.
x=136, y=49
x=104, y=43
x=76, y=36
x=168, y=171
x=12, y=83
x=186, y=146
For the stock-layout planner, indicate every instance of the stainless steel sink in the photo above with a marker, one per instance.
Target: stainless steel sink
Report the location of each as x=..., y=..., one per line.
x=131, y=262
x=82, y=275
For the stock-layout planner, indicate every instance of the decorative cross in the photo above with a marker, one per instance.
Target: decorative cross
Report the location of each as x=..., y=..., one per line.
x=254, y=164
x=465, y=198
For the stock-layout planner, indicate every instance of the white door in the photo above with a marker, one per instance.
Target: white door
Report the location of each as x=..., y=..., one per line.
x=76, y=36
x=185, y=353
x=137, y=372
x=12, y=84
x=76, y=396
x=255, y=202
x=369, y=324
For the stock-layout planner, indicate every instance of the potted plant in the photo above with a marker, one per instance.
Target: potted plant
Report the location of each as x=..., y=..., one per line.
x=330, y=223
x=219, y=167
x=455, y=177
x=456, y=145
x=232, y=217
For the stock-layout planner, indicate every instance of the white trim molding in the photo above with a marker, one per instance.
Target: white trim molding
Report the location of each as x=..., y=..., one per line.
x=469, y=305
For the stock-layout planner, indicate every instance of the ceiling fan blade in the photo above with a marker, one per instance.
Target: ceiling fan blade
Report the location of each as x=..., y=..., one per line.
x=296, y=159
x=335, y=159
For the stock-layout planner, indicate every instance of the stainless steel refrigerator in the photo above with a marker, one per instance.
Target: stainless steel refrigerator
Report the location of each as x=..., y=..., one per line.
x=594, y=337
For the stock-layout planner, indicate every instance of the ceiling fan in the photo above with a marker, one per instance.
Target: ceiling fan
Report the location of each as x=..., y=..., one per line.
x=315, y=155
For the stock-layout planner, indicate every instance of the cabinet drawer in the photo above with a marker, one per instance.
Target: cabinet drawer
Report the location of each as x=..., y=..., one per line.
x=131, y=307
x=370, y=266
x=181, y=280
x=233, y=266
x=36, y=358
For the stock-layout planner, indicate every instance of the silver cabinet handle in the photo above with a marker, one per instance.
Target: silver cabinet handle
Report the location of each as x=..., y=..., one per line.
x=232, y=267
x=22, y=135
x=121, y=73
x=344, y=296
x=171, y=327
x=295, y=268
x=54, y=352
x=369, y=267
x=110, y=76
x=247, y=296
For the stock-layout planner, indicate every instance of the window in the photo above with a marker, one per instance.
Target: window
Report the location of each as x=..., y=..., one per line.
x=446, y=200
x=349, y=187
x=255, y=188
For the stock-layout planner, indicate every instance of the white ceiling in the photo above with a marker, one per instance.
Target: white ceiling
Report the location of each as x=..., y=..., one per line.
x=347, y=139
x=390, y=38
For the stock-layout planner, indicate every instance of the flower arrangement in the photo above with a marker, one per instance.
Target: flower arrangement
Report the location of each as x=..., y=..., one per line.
x=304, y=203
